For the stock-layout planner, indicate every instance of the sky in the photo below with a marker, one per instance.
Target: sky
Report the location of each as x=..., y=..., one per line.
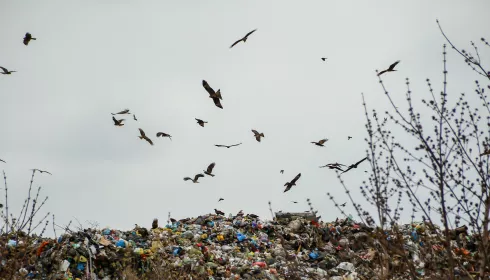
x=98, y=57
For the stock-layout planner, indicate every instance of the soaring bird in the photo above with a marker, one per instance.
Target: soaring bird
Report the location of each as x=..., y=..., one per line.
x=354, y=165
x=343, y=204
x=5, y=71
x=219, y=212
x=154, y=224
x=349, y=137
x=41, y=171
x=220, y=199
x=209, y=171
x=201, y=122
x=117, y=122
x=125, y=111
x=163, y=134
x=244, y=39
x=321, y=142
x=324, y=58
x=228, y=146
x=215, y=95
x=257, y=135
x=195, y=178
x=27, y=38
x=143, y=136
x=134, y=117
x=282, y=171
x=3, y=161
x=390, y=69
x=289, y=185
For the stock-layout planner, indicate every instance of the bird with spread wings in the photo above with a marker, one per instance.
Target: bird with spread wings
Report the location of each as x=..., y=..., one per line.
x=143, y=136
x=354, y=165
x=209, y=170
x=195, y=178
x=257, y=135
x=244, y=39
x=289, y=185
x=228, y=146
x=390, y=69
x=215, y=95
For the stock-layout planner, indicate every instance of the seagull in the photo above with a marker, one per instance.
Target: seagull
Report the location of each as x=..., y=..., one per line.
x=41, y=171
x=349, y=137
x=209, y=171
x=390, y=69
x=354, y=165
x=220, y=199
x=143, y=136
x=163, y=134
x=27, y=38
x=289, y=185
x=3, y=161
x=219, y=212
x=321, y=142
x=201, y=122
x=195, y=178
x=5, y=71
x=228, y=146
x=117, y=122
x=324, y=58
x=257, y=135
x=282, y=171
x=125, y=111
x=215, y=95
x=244, y=39
x=134, y=117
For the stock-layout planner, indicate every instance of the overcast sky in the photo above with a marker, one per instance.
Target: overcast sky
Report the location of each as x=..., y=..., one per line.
x=98, y=57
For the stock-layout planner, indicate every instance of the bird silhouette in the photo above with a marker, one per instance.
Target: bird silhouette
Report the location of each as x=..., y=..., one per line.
x=125, y=111
x=333, y=166
x=3, y=161
x=220, y=199
x=343, y=204
x=289, y=185
x=195, y=178
x=163, y=134
x=244, y=39
x=27, y=38
x=228, y=146
x=219, y=212
x=486, y=152
x=215, y=95
x=201, y=122
x=257, y=135
x=321, y=142
x=6, y=71
x=117, y=122
x=209, y=171
x=324, y=58
x=354, y=165
x=349, y=137
x=282, y=171
x=134, y=117
x=41, y=171
x=143, y=136
x=390, y=69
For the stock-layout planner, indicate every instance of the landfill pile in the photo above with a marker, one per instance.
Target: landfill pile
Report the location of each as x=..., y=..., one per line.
x=234, y=247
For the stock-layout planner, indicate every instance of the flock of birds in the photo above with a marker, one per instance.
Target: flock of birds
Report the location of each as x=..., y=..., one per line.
x=217, y=97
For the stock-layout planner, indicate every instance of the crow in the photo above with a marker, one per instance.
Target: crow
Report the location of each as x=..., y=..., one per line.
x=289, y=185
x=143, y=136
x=215, y=95
x=354, y=165
x=195, y=178
x=228, y=146
x=5, y=71
x=201, y=122
x=244, y=39
x=321, y=142
x=27, y=38
x=117, y=122
x=209, y=171
x=163, y=134
x=257, y=135
x=390, y=69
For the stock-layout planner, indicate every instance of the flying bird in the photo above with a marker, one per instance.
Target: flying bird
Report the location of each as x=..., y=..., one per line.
x=195, y=178
x=349, y=137
x=27, y=38
x=5, y=71
x=209, y=171
x=134, y=117
x=257, y=135
x=3, y=161
x=220, y=199
x=390, y=69
x=228, y=146
x=333, y=166
x=143, y=136
x=343, y=204
x=354, y=165
x=117, y=122
x=125, y=111
x=289, y=185
x=244, y=39
x=324, y=58
x=215, y=95
x=294, y=202
x=41, y=171
x=163, y=134
x=321, y=142
x=219, y=212
x=201, y=122
x=282, y=171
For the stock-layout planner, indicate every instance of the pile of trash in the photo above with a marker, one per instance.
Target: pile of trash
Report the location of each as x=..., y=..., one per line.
x=234, y=247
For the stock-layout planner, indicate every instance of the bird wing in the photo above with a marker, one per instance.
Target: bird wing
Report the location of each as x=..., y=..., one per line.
x=220, y=145
x=350, y=167
x=250, y=33
x=4, y=69
x=142, y=133
x=160, y=134
x=357, y=163
x=198, y=176
x=236, y=43
x=210, y=167
x=3, y=160
x=235, y=145
x=115, y=121
x=255, y=132
x=392, y=66
x=217, y=102
x=288, y=187
x=322, y=141
x=296, y=178
x=209, y=89
x=379, y=74
x=199, y=120
x=149, y=140
x=187, y=179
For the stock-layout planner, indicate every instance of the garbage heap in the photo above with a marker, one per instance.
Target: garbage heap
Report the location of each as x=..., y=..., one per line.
x=234, y=247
